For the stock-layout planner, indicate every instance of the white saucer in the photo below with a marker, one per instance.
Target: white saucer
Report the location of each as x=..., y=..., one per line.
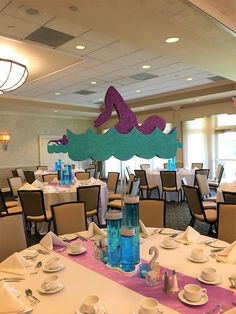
x=168, y=247
x=68, y=251
x=69, y=236
x=166, y=231
x=138, y=311
x=219, y=244
x=101, y=310
x=204, y=260
x=29, y=254
x=216, y=282
x=203, y=300
x=49, y=270
x=59, y=288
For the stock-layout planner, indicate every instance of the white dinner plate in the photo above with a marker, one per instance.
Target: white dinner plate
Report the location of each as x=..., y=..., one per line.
x=203, y=300
x=68, y=251
x=204, y=260
x=29, y=253
x=219, y=244
x=101, y=310
x=168, y=247
x=69, y=237
x=59, y=288
x=166, y=231
x=216, y=282
x=49, y=270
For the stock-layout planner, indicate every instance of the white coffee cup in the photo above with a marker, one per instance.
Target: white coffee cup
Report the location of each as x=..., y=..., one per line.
x=209, y=274
x=90, y=304
x=53, y=263
x=170, y=242
x=149, y=306
x=193, y=292
x=198, y=254
x=51, y=282
x=76, y=247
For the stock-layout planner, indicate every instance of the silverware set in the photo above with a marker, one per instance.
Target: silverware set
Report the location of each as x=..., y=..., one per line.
x=28, y=293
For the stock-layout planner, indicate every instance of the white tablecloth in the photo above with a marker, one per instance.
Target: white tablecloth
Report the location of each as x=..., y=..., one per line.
x=228, y=187
x=154, y=177
x=80, y=282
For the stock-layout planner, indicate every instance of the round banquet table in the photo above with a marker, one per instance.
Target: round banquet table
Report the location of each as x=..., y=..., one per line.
x=80, y=281
x=38, y=174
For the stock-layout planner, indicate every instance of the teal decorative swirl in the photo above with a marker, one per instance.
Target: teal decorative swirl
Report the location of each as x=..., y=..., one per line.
x=122, y=146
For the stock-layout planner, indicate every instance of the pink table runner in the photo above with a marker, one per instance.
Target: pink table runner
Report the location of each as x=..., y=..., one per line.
x=216, y=295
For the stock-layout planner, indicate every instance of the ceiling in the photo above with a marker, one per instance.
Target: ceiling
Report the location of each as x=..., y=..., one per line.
x=120, y=37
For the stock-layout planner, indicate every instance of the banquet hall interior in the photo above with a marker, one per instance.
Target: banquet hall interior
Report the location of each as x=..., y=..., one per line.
x=172, y=61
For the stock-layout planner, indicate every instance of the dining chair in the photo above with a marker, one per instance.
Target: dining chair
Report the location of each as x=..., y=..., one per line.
x=20, y=173
x=179, y=164
x=112, y=182
x=92, y=166
x=200, y=171
x=69, y=217
x=202, y=183
x=14, y=183
x=49, y=177
x=165, y=165
x=32, y=203
x=214, y=184
x=81, y=175
x=90, y=195
x=226, y=221
x=117, y=196
x=29, y=176
x=14, y=173
x=229, y=197
x=8, y=207
x=200, y=210
x=128, y=170
x=169, y=184
x=91, y=172
x=144, y=186
x=195, y=165
x=152, y=212
x=12, y=234
x=145, y=166
x=44, y=168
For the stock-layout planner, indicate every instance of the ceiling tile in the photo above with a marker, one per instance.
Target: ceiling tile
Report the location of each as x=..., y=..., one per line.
x=66, y=26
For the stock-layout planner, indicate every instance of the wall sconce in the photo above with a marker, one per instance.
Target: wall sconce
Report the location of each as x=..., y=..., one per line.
x=4, y=139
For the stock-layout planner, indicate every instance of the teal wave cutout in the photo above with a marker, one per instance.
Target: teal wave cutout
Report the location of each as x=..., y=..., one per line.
x=122, y=146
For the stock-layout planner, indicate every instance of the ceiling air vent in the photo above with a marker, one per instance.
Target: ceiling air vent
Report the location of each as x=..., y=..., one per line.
x=49, y=37
x=142, y=76
x=216, y=78
x=84, y=92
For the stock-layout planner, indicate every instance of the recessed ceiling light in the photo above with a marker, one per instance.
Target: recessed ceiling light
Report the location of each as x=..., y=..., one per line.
x=189, y=79
x=80, y=47
x=146, y=66
x=138, y=91
x=55, y=110
x=57, y=93
x=172, y=40
x=93, y=82
x=100, y=99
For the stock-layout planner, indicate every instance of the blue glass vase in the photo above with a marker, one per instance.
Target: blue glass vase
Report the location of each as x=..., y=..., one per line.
x=127, y=248
x=114, y=220
x=68, y=175
x=131, y=218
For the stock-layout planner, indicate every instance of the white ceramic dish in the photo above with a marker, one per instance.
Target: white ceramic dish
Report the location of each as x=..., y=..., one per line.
x=44, y=291
x=203, y=300
x=101, y=310
x=219, y=244
x=49, y=270
x=166, y=231
x=204, y=260
x=68, y=251
x=168, y=247
x=29, y=254
x=69, y=237
x=215, y=282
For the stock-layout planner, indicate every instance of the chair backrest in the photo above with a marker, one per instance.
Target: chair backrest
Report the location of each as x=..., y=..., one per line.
x=168, y=179
x=152, y=212
x=194, y=199
x=91, y=172
x=20, y=173
x=42, y=168
x=229, y=197
x=32, y=202
x=219, y=173
x=14, y=173
x=90, y=196
x=201, y=171
x=203, y=184
x=141, y=174
x=80, y=175
x=226, y=215
x=12, y=234
x=165, y=165
x=135, y=187
x=3, y=207
x=69, y=217
x=112, y=181
x=145, y=166
x=129, y=185
x=29, y=176
x=128, y=169
x=92, y=166
x=49, y=177
x=198, y=165
x=179, y=164
x=15, y=183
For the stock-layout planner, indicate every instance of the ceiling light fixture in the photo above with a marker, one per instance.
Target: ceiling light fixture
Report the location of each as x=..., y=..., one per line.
x=146, y=66
x=138, y=91
x=80, y=47
x=189, y=79
x=12, y=75
x=93, y=83
x=172, y=40
x=57, y=94
x=4, y=139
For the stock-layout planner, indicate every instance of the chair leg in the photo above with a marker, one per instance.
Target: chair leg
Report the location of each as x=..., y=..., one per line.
x=192, y=221
x=158, y=192
x=98, y=220
x=49, y=225
x=35, y=227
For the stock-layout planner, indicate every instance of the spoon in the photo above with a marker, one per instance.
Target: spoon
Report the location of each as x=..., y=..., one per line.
x=36, y=268
x=29, y=293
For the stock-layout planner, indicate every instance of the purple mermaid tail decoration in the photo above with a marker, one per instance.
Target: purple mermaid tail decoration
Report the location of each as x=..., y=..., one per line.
x=61, y=141
x=127, y=119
